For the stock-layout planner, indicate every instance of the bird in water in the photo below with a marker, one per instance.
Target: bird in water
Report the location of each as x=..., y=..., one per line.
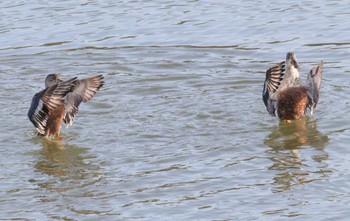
x=285, y=94
x=59, y=101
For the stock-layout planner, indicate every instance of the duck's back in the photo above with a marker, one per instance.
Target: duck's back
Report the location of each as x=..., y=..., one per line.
x=292, y=102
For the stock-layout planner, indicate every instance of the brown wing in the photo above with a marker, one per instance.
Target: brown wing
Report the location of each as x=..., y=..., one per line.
x=274, y=77
x=46, y=101
x=83, y=92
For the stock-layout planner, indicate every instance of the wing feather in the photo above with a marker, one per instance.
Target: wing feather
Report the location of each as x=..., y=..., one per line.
x=274, y=77
x=313, y=84
x=83, y=92
x=46, y=101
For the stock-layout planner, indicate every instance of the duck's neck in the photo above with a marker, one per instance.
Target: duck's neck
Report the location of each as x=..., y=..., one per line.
x=294, y=76
x=291, y=78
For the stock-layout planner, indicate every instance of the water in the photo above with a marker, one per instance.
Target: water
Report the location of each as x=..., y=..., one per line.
x=179, y=131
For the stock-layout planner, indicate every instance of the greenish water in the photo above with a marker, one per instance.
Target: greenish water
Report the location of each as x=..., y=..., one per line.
x=179, y=131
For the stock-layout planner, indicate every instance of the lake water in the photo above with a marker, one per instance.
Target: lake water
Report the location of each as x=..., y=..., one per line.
x=179, y=131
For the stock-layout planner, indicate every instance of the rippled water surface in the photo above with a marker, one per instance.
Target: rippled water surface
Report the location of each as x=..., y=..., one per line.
x=179, y=131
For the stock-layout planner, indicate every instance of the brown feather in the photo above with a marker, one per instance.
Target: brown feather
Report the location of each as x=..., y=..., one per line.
x=292, y=103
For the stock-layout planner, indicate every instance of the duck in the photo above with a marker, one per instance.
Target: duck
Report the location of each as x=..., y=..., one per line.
x=284, y=94
x=59, y=102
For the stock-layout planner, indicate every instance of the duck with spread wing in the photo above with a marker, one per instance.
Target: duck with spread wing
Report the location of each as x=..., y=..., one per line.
x=59, y=102
x=285, y=94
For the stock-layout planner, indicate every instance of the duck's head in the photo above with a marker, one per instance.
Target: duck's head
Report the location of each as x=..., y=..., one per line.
x=52, y=79
x=291, y=60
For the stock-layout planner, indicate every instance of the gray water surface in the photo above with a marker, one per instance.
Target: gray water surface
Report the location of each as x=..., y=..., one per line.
x=179, y=131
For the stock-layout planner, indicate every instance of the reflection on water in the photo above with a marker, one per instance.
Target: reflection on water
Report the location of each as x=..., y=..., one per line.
x=296, y=134
x=69, y=163
x=288, y=141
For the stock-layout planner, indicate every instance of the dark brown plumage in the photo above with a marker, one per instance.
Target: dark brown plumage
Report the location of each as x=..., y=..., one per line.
x=285, y=94
x=292, y=103
x=59, y=101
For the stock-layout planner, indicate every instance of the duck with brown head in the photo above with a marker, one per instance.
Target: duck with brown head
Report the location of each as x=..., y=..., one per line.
x=285, y=94
x=59, y=101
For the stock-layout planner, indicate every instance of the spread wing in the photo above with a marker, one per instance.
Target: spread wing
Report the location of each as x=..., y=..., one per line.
x=47, y=100
x=83, y=92
x=274, y=77
x=313, y=84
